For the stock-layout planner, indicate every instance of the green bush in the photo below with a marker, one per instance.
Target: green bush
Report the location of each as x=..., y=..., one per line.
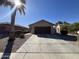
x=64, y=32
x=22, y=36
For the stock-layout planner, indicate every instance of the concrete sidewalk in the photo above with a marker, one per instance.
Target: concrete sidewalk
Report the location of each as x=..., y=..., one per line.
x=46, y=48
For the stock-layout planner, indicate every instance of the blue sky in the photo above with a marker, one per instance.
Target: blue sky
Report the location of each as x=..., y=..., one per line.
x=50, y=10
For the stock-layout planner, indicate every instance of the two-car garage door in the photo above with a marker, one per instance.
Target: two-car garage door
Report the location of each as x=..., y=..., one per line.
x=42, y=30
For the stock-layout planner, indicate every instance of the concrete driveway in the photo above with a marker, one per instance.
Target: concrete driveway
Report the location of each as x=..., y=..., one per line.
x=46, y=48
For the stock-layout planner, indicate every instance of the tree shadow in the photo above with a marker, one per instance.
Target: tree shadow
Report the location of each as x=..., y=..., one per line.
x=8, y=49
x=58, y=36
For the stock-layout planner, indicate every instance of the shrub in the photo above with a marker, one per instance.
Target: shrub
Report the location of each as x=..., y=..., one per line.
x=22, y=36
x=64, y=32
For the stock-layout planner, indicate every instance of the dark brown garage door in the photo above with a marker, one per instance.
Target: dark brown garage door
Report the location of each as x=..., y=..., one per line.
x=42, y=30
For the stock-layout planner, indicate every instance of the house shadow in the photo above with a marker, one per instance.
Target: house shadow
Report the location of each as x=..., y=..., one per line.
x=8, y=50
x=58, y=36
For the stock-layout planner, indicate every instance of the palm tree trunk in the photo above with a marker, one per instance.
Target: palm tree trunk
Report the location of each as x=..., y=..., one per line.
x=12, y=30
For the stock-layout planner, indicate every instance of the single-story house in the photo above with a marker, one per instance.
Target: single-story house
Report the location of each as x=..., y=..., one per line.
x=6, y=27
x=42, y=27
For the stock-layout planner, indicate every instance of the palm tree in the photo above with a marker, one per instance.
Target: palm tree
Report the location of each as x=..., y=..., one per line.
x=20, y=8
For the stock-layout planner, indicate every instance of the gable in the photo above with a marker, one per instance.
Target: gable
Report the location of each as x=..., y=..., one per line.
x=42, y=23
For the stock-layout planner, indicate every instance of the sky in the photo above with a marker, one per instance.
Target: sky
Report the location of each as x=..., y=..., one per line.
x=50, y=10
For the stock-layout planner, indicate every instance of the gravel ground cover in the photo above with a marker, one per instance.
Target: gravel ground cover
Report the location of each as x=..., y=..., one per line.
x=16, y=44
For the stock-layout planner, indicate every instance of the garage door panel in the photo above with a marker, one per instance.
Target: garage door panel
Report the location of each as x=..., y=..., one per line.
x=42, y=30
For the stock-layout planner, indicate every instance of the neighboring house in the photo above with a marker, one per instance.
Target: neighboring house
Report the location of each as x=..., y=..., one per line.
x=42, y=27
x=6, y=27
x=58, y=28
x=78, y=32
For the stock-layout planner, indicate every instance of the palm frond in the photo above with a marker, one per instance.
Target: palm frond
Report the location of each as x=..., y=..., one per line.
x=23, y=1
x=22, y=8
x=1, y=2
x=5, y=3
x=8, y=3
x=20, y=11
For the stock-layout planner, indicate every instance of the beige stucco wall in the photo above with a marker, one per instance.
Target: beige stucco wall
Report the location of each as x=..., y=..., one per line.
x=52, y=29
x=42, y=24
x=58, y=28
x=32, y=30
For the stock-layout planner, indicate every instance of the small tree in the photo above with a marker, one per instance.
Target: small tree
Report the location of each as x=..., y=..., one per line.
x=65, y=28
x=74, y=27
